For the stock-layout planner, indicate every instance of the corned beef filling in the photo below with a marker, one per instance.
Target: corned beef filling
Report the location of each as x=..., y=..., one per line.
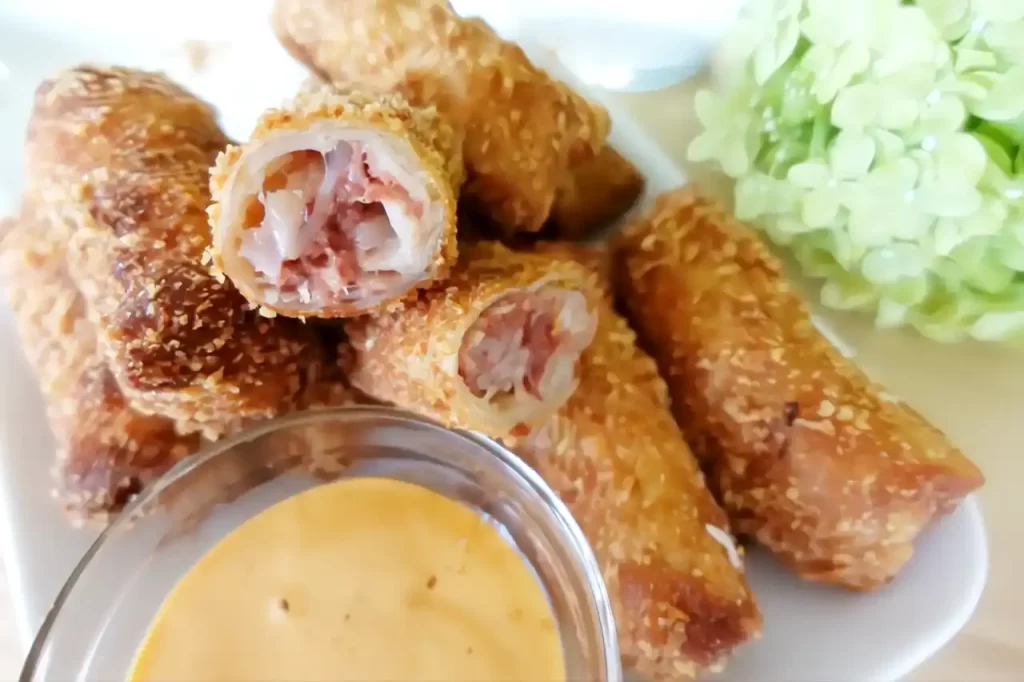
x=526, y=342
x=324, y=227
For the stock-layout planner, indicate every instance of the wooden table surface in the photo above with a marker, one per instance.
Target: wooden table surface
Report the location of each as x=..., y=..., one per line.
x=991, y=647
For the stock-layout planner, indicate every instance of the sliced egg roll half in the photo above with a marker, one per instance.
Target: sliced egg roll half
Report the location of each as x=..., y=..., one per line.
x=496, y=350
x=338, y=204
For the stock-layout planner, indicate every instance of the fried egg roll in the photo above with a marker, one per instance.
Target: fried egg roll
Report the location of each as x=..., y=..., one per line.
x=493, y=350
x=812, y=458
x=107, y=452
x=595, y=257
x=614, y=454
x=121, y=159
x=595, y=194
x=322, y=385
x=337, y=204
x=524, y=130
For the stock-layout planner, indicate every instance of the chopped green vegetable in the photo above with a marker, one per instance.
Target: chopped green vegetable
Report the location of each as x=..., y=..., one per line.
x=883, y=142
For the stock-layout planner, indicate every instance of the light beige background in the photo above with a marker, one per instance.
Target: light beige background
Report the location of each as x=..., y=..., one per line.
x=991, y=648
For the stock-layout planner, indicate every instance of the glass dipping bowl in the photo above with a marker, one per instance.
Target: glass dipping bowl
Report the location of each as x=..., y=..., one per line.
x=101, y=615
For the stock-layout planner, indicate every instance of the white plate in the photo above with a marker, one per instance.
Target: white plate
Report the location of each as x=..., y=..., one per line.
x=811, y=633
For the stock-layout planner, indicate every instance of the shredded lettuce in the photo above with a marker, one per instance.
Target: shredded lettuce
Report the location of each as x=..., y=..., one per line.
x=882, y=141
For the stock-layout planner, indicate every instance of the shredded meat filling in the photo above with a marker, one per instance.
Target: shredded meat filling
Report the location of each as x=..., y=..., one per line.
x=526, y=342
x=321, y=223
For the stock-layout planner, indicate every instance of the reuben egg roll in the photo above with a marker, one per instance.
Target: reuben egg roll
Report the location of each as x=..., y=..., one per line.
x=820, y=464
x=595, y=257
x=337, y=204
x=614, y=454
x=494, y=349
x=121, y=159
x=596, y=192
x=524, y=130
x=107, y=451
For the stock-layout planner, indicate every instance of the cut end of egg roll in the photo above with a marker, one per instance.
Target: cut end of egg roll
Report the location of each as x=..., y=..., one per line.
x=495, y=350
x=337, y=204
x=523, y=348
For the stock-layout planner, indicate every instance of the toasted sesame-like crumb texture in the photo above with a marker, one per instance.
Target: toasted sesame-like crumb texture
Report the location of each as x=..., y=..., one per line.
x=524, y=130
x=820, y=464
x=594, y=257
x=408, y=356
x=436, y=144
x=121, y=159
x=614, y=454
x=107, y=451
x=596, y=193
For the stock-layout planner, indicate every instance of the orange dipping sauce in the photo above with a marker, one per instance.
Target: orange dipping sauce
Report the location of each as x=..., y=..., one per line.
x=364, y=579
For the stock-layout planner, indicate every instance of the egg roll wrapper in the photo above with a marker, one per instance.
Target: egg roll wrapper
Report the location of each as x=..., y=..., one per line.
x=811, y=457
x=121, y=159
x=616, y=457
x=299, y=450
x=411, y=356
x=595, y=257
x=411, y=155
x=106, y=451
x=596, y=193
x=524, y=129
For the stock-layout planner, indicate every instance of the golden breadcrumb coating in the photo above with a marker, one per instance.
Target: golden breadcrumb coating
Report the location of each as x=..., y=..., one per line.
x=256, y=460
x=596, y=257
x=322, y=385
x=817, y=462
x=595, y=194
x=614, y=454
x=409, y=355
x=524, y=130
x=121, y=159
x=107, y=452
x=435, y=143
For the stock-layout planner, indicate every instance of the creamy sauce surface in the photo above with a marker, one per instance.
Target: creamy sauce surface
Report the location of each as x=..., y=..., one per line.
x=364, y=579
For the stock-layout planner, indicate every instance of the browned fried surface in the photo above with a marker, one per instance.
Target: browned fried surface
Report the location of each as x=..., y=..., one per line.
x=594, y=257
x=408, y=356
x=436, y=144
x=322, y=385
x=596, y=193
x=122, y=158
x=614, y=454
x=107, y=451
x=524, y=130
x=810, y=456
x=304, y=449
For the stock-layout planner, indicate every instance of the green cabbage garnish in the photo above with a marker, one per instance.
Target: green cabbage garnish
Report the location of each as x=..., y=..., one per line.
x=883, y=143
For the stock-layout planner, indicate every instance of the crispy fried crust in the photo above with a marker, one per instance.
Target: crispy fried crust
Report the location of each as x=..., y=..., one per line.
x=321, y=379
x=524, y=130
x=595, y=257
x=820, y=464
x=121, y=158
x=614, y=454
x=408, y=356
x=436, y=144
x=107, y=452
x=596, y=193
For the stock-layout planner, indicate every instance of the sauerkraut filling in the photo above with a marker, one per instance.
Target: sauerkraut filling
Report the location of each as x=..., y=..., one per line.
x=332, y=226
x=527, y=344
